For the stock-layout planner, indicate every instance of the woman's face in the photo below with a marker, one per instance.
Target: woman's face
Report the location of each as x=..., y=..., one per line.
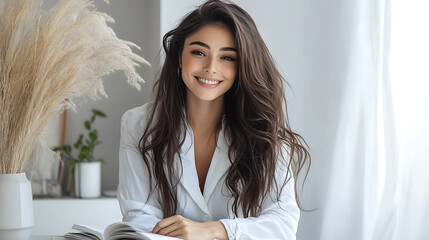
x=209, y=63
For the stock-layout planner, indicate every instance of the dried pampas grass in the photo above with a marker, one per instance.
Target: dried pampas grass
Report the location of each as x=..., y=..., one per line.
x=47, y=60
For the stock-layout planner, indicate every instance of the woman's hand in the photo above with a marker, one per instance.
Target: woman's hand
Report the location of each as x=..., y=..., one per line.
x=178, y=226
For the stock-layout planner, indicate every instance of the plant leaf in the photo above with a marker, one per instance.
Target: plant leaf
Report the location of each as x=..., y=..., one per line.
x=98, y=113
x=84, y=151
x=88, y=125
x=78, y=142
x=93, y=135
x=67, y=148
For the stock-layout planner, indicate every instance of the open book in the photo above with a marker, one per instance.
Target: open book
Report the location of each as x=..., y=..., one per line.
x=119, y=230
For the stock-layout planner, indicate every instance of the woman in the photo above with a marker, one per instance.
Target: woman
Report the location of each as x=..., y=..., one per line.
x=213, y=156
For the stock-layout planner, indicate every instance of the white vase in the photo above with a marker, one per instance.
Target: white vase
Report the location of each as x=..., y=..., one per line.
x=16, y=207
x=88, y=179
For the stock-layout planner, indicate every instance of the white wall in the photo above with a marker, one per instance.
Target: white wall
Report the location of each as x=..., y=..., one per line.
x=136, y=21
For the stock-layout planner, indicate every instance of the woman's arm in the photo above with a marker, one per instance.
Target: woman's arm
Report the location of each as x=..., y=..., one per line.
x=178, y=226
x=133, y=185
x=278, y=219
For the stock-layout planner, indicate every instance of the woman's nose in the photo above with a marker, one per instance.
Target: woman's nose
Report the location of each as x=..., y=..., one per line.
x=210, y=66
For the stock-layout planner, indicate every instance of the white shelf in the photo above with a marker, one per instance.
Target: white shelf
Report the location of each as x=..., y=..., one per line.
x=56, y=216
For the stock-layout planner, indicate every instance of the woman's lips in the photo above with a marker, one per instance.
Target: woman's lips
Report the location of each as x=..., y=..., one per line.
x=208, y=82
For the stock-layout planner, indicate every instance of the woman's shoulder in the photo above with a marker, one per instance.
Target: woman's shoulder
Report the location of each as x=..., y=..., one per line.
x=134, y=120
x=137, y=114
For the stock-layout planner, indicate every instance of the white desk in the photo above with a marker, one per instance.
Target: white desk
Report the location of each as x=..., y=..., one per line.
x=57, y=216
x=47, y=237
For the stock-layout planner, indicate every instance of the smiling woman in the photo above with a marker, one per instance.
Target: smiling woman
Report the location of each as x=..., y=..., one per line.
x=208, y=68
x=213, y=156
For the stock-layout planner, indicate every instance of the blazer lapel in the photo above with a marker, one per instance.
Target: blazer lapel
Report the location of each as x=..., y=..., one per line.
x=218, y=166
x=189, y=180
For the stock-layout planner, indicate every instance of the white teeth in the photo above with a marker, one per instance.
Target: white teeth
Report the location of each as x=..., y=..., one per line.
x=207, y=81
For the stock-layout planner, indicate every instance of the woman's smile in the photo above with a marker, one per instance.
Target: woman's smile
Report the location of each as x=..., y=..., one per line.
x=208, y=82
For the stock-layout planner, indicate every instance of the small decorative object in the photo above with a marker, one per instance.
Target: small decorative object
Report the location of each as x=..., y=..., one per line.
x=48, y=59
x=88, y=179
x=44, y=176
x=87, y=168
x=16, y=207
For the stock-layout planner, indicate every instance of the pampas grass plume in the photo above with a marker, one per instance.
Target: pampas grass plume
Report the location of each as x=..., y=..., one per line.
x=47, y=61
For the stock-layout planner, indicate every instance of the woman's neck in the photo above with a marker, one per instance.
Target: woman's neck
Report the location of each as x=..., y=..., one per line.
x=203, y=116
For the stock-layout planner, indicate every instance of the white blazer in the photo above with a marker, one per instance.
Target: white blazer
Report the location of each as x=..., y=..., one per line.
x=278, y=220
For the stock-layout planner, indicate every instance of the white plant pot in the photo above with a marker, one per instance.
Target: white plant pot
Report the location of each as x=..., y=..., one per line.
x=16, y=207
x=88, y=179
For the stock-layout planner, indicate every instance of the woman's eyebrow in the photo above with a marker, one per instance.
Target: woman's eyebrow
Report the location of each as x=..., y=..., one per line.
x=208, y=47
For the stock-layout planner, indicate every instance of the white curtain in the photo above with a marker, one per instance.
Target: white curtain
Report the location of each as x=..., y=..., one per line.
x=378, y=187
x=409, y=66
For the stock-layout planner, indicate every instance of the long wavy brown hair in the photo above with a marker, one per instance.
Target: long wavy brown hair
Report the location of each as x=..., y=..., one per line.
x=255, y=122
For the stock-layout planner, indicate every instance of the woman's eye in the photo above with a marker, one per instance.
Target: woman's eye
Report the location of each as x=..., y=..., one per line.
x=231, y=59
x=198, y=53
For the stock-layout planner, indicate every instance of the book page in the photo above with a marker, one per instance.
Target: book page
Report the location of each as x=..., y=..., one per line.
x=97, y=231
x=131, y=231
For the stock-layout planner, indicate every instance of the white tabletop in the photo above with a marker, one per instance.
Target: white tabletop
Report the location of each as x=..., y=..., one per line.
x=47, y=237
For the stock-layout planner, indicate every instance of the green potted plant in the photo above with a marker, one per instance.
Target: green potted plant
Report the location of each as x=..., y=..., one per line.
x=87, y=168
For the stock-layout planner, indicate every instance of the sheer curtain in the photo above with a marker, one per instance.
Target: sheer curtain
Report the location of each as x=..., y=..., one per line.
x=378, y=186
x=409, y=66
x=355, y=193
